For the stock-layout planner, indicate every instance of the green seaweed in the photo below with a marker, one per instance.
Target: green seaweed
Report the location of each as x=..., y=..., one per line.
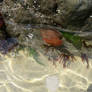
x=74, y=39
x=35, y=55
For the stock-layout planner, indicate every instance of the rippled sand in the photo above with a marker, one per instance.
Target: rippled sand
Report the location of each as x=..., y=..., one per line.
x=23, y=74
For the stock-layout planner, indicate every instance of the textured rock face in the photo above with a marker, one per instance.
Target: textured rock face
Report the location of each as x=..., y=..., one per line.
x=34, y=12
x=71, y=14
x=88, y=25
x=48, y=7
x=86, y=3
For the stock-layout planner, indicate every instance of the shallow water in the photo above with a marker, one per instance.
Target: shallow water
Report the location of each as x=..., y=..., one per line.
x=22, y=73
x=28, y=69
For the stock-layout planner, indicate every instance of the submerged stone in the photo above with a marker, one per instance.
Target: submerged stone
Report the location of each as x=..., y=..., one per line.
x=7, y=45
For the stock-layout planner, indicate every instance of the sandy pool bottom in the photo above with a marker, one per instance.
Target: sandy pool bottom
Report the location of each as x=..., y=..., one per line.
x=23, y=74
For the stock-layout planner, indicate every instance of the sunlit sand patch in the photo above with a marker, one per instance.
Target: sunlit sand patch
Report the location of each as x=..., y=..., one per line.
x=24, y=70
x=23, y=56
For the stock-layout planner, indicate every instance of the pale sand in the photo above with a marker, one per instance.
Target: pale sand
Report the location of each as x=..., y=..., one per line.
x=23, y=74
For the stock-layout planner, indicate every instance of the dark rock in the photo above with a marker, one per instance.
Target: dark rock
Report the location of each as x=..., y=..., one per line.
x=7, y=45
x=3, y=33
x=78, y=18
x=89, y=88
x=1, y=1
x=88, y=25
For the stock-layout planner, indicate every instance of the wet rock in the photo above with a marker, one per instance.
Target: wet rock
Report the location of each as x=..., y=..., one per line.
x=7, y=45
x=1, y=1
x=66, y=14
x=78, y=18
x=45, y=6
x=3, y=32
x=88, y=25
x=48, y=7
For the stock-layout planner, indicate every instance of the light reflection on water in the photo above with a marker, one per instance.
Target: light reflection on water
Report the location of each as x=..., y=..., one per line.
x=25, y=75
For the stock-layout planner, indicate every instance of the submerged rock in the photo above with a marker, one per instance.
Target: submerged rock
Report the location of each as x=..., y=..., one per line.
x=8, y=45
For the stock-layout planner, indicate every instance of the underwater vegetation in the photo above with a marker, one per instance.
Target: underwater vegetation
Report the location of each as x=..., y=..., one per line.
x=53, y=38
x=3, y=28
x=78, y=43
x=33, y=53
